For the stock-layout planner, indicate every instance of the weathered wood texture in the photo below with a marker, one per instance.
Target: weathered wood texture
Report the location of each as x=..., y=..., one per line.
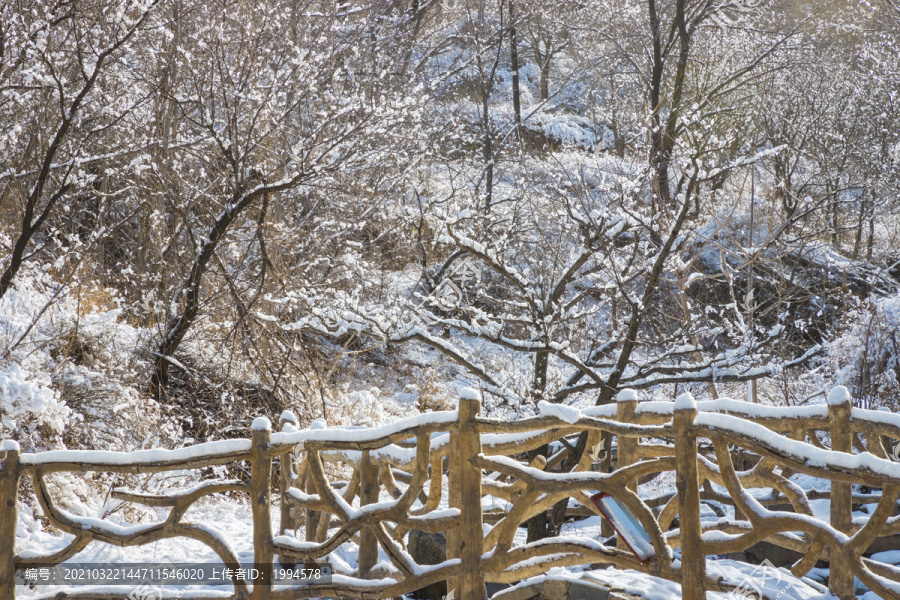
x=627, y=451
x=9, y=495
x=368, y=494
x=260, y=492
x=465, y=479
x=687, y=483
x=840, y=579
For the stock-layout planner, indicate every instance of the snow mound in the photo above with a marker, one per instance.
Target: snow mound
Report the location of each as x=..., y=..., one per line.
x=685, y=402
x=261, y=424
x=627, y=395
x=22, y=396
x=468, y=393
x=838, y=395
x=569, y=414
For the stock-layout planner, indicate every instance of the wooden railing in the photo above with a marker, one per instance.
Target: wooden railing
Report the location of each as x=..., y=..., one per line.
x=396, y=484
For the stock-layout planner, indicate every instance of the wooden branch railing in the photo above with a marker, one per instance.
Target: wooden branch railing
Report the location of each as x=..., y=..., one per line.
x=372, y=486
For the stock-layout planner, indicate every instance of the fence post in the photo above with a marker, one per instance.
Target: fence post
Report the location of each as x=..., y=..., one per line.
x=467, y=542
x=9, y=506
x=626, y=447
x=368, y=494
x=260, y=488
x=288, y=520
x=840, y=579
x=687, y=482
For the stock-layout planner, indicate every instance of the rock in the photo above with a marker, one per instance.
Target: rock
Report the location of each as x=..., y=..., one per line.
x=555, y=589
x=778, y=556
x=428, y=549
x=584, y=591
x=522, y=593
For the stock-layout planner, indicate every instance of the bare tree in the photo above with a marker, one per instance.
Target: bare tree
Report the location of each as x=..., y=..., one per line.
x=57, y=72
x=277, y=112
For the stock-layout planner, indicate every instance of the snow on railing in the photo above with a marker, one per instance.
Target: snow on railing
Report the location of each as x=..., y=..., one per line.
x=430, y=473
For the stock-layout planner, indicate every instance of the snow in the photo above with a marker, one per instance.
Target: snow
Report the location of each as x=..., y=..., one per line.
x=100, y=526
x=753, y=411
x=301, y=496
x=10, y=446
x=99, y=458
x=288, y=416
x=891, y=557
x=685, y=402
x=468, y=393
x=343, y=580
x=627, y=395
x=261, y=424
x=492, y=440
x=445, y=513
x=34, y=393
x=606, y=411
x=881, y=417
x=343, y=434
x=838, y=395
x=290, y=541
x=569, y=414
x=22, y=394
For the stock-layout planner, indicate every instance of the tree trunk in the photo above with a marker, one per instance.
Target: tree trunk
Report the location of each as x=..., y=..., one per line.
x=487, y=149
x=831, y=190
x=488, y=155
x=545, y=80
x=191, y=288
x=537, y=526
x=179, y=326
x=543, y=61
x=857, y=242
x=870, y=242
x=514, y=64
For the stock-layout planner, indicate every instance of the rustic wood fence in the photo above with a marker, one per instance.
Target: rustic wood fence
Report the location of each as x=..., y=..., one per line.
x=398, y=482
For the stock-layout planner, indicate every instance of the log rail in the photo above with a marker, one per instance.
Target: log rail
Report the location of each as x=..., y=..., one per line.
x=435, y=472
